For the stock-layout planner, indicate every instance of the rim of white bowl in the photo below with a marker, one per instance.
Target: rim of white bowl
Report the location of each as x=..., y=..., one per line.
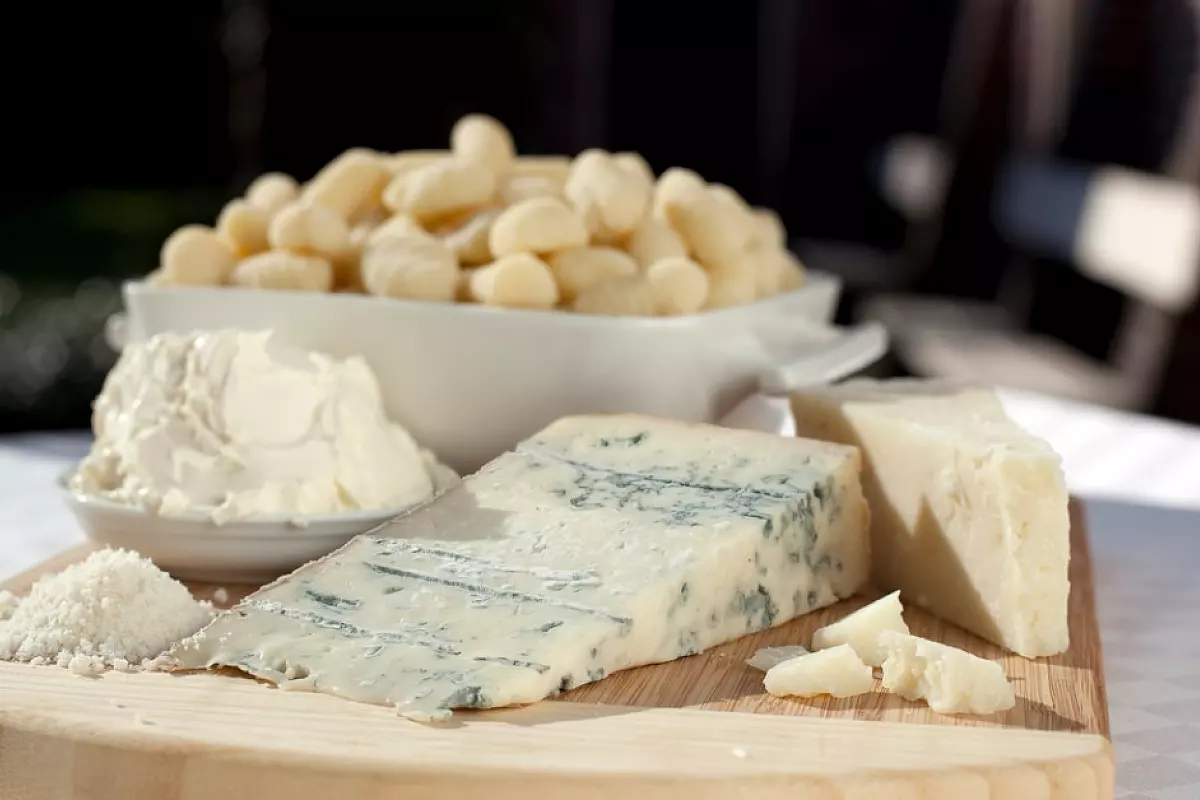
x=557, y=315
x=296, y=524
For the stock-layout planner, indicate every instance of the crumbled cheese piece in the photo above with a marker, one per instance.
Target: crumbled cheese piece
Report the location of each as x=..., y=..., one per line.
x=837, y=671
x=114, y=609
x=860, y=629
x=768, y=657
x=220, y=595
x=950, y=680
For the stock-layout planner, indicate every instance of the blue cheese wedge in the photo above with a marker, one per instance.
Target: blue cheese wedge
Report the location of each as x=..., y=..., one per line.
x=599, y=544
x=950, y=680
x=860, y=629
x=970, y=513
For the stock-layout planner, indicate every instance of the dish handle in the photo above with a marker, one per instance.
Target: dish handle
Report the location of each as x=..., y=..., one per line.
x=837, y=353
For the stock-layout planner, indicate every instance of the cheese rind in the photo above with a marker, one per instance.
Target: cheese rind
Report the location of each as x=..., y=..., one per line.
x=969, y=511
x=860, y=629
x=837, y=672
x=601, y=543
x=950, y=680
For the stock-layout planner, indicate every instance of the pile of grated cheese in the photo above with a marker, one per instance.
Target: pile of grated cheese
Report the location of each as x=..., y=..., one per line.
x=114, y=609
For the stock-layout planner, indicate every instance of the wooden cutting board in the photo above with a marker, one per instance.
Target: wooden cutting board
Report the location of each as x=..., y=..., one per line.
x=693, y=729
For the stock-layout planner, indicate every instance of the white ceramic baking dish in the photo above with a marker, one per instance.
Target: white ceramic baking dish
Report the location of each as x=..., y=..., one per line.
x=469, y=381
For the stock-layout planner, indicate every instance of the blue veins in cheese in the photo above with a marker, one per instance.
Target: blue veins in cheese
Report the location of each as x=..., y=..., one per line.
x=599, y=544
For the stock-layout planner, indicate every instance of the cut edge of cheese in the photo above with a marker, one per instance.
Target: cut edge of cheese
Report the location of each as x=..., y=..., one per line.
x=949, y=680
x=837, y=672
x=969, y=511
x=860, y=629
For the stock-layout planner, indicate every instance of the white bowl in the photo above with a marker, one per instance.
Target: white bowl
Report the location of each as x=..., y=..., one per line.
x=193, y=548
x=470, y=381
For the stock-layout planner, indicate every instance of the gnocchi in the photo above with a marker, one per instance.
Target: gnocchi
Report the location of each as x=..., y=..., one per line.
x=399, y=163
x=628, y=296
x=679, y=286
x=272, y=191
x=580, y=268
x=672, y=187
x=195, y=255
x=731, y=286
x=243, y=228
x=469, y=241
x=350, y=186
x=714, y=234
x=279, y=269
x=399, y=225
x=479, y=222
x=654, y=240
x=552, y=168
x=414, y=266
x=519, y=280
x=482, y=139
x=440, y=189
x=537, y=225
x=634, y=164
x=516, y=188
x=614, y=198
x=309, y=230
x=768, y=229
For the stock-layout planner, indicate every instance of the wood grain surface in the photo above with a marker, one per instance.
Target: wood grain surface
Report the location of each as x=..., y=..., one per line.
x=661, y=732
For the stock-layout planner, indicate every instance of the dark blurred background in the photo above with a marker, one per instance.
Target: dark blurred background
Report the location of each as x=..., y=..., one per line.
x=915, y=146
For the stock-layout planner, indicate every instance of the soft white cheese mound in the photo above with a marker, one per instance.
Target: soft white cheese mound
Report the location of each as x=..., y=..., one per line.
x=238, y=425
x=114, y=609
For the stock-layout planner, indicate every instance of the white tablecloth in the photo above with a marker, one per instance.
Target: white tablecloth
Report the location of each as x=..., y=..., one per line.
x=1141, y=478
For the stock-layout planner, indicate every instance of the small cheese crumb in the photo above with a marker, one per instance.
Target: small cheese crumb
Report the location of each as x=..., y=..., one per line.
x=838, y=672
x=220, y=595
x=860, y=629
x=768, y=657
x=950, y=680
x=114, y=609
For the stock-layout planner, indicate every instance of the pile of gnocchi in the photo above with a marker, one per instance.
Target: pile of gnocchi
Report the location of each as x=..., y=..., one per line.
x=596, y=234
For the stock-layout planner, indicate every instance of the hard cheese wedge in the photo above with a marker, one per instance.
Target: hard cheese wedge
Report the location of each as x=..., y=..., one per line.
x=969, y=512
x=601, y=543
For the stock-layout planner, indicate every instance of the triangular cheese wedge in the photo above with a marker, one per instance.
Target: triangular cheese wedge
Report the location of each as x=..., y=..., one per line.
x=968, y=510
